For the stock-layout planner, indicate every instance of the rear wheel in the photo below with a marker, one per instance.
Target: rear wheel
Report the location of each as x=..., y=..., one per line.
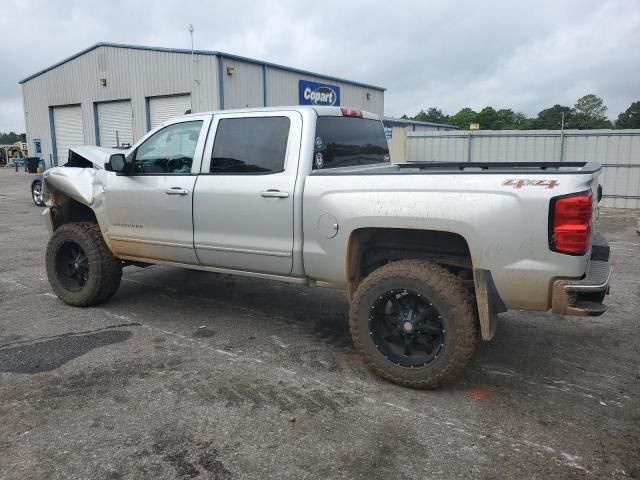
x=415, y=323
x=36, y=193
x=80, y=267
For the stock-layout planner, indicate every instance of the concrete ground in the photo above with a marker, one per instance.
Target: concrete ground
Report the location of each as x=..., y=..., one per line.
x=136, y=389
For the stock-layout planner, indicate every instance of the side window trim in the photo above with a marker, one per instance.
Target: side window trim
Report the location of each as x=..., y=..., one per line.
x=199, y=150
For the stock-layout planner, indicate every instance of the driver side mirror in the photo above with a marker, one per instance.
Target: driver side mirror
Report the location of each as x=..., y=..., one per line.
x=117, y=163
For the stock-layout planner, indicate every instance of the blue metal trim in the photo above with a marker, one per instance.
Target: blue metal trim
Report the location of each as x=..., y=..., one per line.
x=96, y=124
x=147, y=113
x=54, y=147
x=220, y=83
x=201, y=52
x=265, y=86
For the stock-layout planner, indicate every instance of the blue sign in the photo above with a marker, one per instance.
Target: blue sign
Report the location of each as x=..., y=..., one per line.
x=321, y=94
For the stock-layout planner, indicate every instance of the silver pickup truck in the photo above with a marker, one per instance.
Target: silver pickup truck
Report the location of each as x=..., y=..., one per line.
x=428, y=253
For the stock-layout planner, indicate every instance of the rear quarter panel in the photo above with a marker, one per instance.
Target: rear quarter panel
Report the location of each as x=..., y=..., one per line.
x=506, y=228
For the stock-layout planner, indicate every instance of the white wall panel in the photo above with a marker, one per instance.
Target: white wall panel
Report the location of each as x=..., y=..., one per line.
x=164, y=108
x=244, y=87
x=68, y=128
x=115, y=123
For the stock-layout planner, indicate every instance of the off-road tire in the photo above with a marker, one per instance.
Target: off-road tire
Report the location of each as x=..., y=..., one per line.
x=105, y=270
x=449, y=296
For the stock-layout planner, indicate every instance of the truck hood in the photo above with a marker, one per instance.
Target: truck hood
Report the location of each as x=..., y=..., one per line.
x=98, y=156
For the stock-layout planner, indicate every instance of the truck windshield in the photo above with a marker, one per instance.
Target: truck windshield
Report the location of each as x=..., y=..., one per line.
x=349, y=141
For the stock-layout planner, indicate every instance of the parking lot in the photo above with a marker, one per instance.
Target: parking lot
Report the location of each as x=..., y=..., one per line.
x=186, y=374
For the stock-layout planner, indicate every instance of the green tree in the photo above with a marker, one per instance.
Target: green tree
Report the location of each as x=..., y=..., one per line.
x=590, y=112
x=487, y=118
x=551, y=118
x=11, y=137
x=630, y=118
x=463, y=118
x=433, y=115
x=507, y=119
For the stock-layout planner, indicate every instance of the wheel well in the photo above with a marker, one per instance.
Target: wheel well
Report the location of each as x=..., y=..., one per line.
x=66, y=210
x=371, y=248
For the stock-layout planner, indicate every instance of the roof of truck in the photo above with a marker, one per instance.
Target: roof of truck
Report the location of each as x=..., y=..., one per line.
x=320, y=111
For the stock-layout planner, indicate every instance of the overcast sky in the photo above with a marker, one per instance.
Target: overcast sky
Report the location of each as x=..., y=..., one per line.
x=521, y=55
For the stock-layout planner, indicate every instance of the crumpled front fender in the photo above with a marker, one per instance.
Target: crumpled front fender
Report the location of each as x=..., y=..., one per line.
x=83, y=185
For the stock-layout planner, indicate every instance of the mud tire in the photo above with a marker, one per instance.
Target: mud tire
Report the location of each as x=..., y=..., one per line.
x=449, y=296
x=104, y=270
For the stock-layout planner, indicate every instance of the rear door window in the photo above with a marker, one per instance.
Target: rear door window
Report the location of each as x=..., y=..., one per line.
x=348, y=142
x=252, y=145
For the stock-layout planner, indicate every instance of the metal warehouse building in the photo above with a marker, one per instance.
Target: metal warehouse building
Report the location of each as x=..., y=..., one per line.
x=112, y=94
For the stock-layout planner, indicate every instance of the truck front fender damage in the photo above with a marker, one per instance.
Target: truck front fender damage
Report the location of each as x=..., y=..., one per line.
x=74, y=194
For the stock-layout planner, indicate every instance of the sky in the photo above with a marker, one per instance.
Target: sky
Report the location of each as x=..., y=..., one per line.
x=451, y=54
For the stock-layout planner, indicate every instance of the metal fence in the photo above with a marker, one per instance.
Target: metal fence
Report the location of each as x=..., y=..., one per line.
x=618, y=151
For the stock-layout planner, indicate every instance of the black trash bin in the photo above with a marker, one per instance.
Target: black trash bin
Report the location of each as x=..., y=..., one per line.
x=32, y=163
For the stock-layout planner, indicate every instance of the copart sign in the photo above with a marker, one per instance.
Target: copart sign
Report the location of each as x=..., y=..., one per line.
x=321, y=94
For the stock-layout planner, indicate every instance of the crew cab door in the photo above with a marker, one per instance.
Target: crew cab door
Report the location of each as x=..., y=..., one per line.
x=150, y=207
x=243, y=202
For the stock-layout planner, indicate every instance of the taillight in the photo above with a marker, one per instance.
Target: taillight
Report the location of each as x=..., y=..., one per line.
x=351, y=112
x=570, y=223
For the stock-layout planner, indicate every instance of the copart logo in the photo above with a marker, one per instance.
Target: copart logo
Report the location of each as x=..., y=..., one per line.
x=313, y=93
x=525, y=182
x=321, y=96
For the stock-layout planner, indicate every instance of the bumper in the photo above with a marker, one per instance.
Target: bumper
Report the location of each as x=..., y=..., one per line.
x=584, y=297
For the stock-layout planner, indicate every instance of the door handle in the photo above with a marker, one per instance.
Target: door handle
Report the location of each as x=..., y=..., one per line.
x=176, y=191
x=274, y=194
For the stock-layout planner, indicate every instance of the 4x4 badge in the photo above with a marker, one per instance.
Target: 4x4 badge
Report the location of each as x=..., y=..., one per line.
x=524, y=182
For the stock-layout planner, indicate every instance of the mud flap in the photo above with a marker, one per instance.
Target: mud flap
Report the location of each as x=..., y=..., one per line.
x=488, y=301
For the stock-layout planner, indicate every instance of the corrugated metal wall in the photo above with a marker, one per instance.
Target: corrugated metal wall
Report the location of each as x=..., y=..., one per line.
x=244, y=87
x=617, y=150
x=283, y=90
x=137, y=74
x=131, y=74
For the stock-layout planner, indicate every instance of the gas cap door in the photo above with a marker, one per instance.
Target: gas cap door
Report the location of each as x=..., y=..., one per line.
x=328, y=225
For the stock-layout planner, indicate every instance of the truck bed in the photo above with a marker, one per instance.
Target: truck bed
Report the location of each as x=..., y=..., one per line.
x=443, y=168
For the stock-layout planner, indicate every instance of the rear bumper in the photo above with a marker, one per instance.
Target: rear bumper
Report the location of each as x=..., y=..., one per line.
x=585, y=297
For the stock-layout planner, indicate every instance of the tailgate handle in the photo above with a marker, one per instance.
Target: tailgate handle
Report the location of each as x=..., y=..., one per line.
x=177, y=191
x=274, y=194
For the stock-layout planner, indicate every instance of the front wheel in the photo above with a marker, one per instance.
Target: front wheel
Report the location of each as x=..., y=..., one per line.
x=82, y=270
x=415, y=323
x=36, y=193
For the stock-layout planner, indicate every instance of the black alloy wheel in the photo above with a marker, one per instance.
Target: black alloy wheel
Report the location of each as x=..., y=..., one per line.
x=72, y=266
x=406, y=328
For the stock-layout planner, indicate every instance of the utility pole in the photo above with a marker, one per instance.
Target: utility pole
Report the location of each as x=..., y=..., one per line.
x=193, y=75
x=562, y=138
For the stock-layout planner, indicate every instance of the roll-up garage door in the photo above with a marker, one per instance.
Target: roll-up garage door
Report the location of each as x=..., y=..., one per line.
x=67, y=123
x=115, y=123
x=164, y=108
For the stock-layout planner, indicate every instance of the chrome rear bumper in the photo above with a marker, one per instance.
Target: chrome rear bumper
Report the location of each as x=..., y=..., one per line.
x=584, y=297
